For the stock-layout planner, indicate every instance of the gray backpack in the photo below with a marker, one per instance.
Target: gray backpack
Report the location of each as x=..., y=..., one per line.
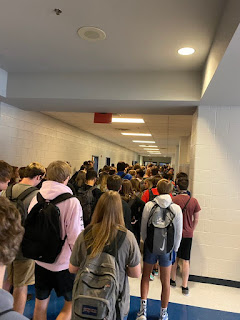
x=96, y=293
x=160, y=230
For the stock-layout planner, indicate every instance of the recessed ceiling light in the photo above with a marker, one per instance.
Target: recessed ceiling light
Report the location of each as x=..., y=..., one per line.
x=145, y=146
x=91, y=33
x=139, y=141
x=186, y=51
x=127, y=120
x=136, y=134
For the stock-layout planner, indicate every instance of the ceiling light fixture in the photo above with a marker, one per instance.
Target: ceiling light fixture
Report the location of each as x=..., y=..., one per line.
x=139, y=141
x=151, y=149
x=91, y=33
x=127, y=120
x=136, y=134
x=145, y=146
x=186, y=51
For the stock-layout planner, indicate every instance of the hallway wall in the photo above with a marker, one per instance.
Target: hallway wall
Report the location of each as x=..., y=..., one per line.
x=32, y=136
x=215, y=176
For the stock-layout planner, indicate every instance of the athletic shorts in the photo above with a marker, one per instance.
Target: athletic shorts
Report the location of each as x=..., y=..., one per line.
x=184, y=250
x=164, y=260
x=46, y=281
x=21, y=273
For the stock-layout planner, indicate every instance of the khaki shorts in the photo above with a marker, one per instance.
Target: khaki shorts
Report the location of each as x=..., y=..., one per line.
x=21, y=272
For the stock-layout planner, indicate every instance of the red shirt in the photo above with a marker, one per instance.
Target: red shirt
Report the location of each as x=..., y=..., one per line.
x=192, y=207
x=145, y=196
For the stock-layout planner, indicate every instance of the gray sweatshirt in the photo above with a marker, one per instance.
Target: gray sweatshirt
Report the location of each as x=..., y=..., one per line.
x=164, y=201
x=6, y=303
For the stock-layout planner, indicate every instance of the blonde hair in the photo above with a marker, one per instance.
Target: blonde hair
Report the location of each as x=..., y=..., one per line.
x=58, y=171
x=107, y=219
x=164, y=186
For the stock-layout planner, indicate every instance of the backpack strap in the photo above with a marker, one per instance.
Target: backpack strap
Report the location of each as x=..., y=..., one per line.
x=6, y=311
x=186, y=204
x=26, y=193
x=151, y=195
x=9, y=192
x=62, y=197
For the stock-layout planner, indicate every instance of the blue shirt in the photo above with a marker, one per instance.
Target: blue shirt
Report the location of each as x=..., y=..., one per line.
x=127, y=176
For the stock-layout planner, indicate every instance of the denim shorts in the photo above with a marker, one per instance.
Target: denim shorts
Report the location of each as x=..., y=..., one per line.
x=164, y=260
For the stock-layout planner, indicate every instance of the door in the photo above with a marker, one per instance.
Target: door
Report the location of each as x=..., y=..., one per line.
x=107, y=161
x=95, y=163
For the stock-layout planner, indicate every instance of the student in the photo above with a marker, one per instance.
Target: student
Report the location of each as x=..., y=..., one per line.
x=190, y=209
x=5, y=175
x=149, y=259
x=121, y=171
x=106, y=221
x=55, y=275
x=11, y=233
x=115, y=183
x=21, y=270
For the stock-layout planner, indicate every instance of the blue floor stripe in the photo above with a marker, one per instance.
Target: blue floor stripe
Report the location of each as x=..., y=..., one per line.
x=176, y=311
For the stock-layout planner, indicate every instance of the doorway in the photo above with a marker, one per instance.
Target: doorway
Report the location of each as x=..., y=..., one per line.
x=95, y=163
x=107, y=161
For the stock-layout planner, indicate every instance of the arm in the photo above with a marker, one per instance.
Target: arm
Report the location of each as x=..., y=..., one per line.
x=195, y=219
x=178, y=226
x=74, y=224
x=73, y=269
x=145, y=216
x=134, y=272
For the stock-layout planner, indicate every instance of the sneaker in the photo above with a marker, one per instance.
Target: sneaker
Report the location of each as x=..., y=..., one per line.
x=164, y=316
x=185, y=291
x=151, y=277
x=141, y=315
x=155, y=272
x=172, y=283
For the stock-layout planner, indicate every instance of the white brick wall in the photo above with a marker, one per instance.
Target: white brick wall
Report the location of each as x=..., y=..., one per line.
x=32, y=136
x=215, y=180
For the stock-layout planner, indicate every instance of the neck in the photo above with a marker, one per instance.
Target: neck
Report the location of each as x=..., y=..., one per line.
x=27, y=181
x=90, y=182
x=2, y=272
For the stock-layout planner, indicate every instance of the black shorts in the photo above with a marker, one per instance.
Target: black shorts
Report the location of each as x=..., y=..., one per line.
x=60, y=281
x=184, y=250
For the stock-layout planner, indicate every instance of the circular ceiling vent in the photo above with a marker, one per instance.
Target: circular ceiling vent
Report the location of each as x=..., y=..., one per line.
x=91, y=33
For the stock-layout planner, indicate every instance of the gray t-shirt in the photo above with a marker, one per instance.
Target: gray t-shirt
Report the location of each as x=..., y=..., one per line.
x=17, y=189
x=128, y=255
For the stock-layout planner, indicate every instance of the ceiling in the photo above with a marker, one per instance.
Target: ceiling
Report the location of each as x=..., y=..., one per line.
x=165, y=130
x=136, y=70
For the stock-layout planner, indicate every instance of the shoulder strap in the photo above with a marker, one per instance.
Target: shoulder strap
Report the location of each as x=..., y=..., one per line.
x=151, y=195
x=6, y=311
x=9, y=192
x=26, y=193
x=62, y=197
x=186, y=204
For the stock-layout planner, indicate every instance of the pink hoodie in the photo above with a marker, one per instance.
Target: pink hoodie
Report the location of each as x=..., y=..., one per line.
x=71, y=222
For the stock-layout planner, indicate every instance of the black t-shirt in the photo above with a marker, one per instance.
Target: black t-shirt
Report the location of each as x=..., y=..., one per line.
x=127, y=215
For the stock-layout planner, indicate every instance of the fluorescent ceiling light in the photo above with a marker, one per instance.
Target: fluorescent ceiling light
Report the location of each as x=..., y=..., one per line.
x=145, y=146
x=151, y=149
x=155, y=153
x=136, y=134
x=186, y=51
x=139, y=141
x=128, y=120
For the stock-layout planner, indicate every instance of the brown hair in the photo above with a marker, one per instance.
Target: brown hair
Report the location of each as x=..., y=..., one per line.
x=34, y=169
x=5, y=171
x=103, y=181
x=132, y=172
x=126, y=191
x=135, y=185
x=11, y=231
x=114, y=183
x=81, y=178
x=164, y=186
x=106, y=220
x=58, y=171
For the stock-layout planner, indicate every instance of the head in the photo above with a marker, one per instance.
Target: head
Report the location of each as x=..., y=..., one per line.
x=135, y=185
x=35, y=172
x=121, y=166
x=106, y=220
x=155, y=181
x=81, y=178
x=137, y=166
x=139, y=173
x=148, y=184
x=15, y=175
x=154, y=171
x=103, y=181
x=183, y=183
x=83, y=168
x=106, y=168
x=164, y=186
x=91, y=175
x=132, y=173
x=21, y=172
x=114, y=183
x=11, y=231
x=126, y=188
x=59, y=171
x=5, y=174
x=112, y=171
x=180, y=175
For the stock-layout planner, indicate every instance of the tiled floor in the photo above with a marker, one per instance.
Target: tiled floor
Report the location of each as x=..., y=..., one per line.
x=205, y=302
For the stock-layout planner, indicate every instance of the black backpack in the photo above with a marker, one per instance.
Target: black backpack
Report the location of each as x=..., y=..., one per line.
x=42, y=239
x=18, y=202
x=160, y=230
x=88, y=202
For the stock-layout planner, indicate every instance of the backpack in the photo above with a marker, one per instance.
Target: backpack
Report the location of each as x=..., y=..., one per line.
x=160, y=230
x=151, y=195
x=18, y=202
x=42, y=239
x=96, y=287
x=88, y=203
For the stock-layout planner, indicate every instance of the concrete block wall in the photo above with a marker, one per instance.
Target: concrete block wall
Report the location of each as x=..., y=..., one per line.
x=32, y=136
x=215, y=176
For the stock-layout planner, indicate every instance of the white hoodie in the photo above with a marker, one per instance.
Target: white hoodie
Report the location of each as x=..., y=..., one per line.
x=164, y=201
